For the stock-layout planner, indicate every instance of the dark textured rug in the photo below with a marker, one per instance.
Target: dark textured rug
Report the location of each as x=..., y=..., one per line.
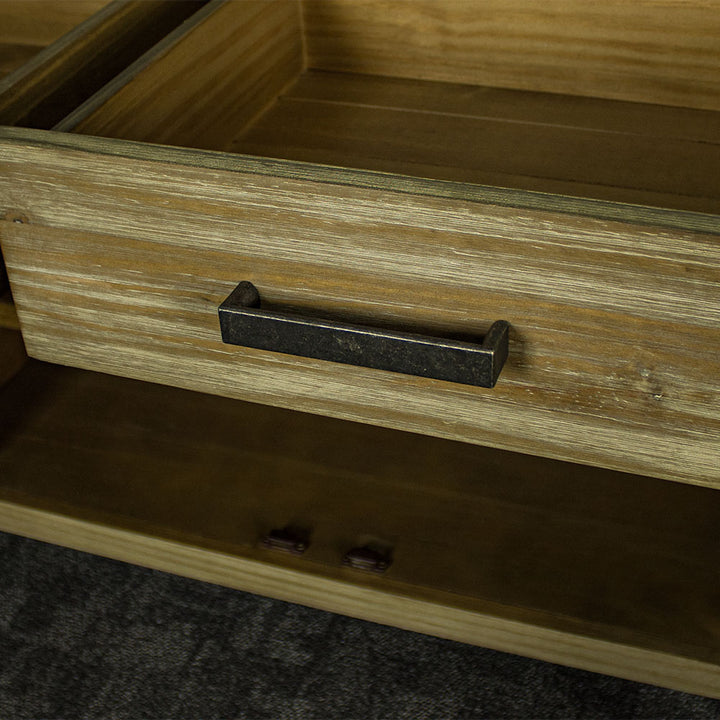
x=86, y=637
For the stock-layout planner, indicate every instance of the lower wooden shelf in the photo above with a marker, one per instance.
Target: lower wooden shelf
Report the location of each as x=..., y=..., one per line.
x=600, y=570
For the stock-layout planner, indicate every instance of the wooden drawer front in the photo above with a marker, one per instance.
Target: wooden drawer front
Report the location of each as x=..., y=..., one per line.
x=54, y=54
x=119, y=255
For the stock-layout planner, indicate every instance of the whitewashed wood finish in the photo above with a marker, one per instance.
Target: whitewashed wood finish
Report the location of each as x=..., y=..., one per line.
x=128, y=250
x=188, y=483
x=220, y=72
x=651, y=51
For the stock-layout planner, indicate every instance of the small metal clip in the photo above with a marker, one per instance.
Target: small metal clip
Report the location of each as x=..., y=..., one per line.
x=287, y=539
x=367, y=558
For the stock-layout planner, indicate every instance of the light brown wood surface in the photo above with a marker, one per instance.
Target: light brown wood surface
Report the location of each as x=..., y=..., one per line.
x=93, y=48
x=231, y=64
x=556, y=561
x=649, y=51
x=120, y=253
x=125, y=251
x=654, y=155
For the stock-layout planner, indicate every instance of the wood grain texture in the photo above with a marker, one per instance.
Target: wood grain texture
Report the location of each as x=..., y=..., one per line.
x=128, y=250
x=568, y=564
x=649, y=154
x=45, y=88
x=651, y=51
x=231, y=64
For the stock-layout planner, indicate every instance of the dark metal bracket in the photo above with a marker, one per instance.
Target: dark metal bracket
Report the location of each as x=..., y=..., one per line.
x=367, y=558
x=287, y=539
x=244, y=323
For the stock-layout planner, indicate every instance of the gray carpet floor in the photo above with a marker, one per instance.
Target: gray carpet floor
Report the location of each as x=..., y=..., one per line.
x=87, y=637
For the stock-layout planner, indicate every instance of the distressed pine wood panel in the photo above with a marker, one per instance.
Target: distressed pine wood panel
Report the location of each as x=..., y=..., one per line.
x=646, y=154
x=125, y=252
x=568, y=564
x=68, y=71
x=221, y=72
x=658, y=52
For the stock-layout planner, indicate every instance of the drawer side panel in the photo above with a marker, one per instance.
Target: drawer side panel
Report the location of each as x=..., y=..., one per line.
x=657, y=52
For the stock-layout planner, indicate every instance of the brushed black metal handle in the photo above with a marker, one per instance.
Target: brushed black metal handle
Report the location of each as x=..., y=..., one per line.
x=243, y=322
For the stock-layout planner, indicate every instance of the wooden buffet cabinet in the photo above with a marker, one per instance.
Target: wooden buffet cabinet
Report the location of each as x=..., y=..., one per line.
x=415, y=166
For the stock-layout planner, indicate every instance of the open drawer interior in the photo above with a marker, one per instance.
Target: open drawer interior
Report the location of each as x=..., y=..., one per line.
x=567, y=563
x=568, y=98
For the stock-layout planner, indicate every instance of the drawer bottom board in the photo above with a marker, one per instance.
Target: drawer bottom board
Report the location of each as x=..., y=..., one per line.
x=541, y=558
x=512, y=139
